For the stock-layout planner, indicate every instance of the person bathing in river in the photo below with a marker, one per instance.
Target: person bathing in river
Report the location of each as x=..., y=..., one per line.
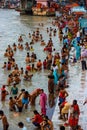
x=4, y=93
x=4, y=120
x=39, y=65
x=4, y=65
x=37, y=119
x=25, y=99
x=14, y=90
x=12, y=104
x=28, y=67
x=14, y=47
x=18, y=103
x=27, y=77
x=20, y=39
x=27, y=47
x=28, y=58
x=9, y=80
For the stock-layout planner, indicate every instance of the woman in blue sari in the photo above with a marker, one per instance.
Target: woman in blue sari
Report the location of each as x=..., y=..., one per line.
x=55, y=74
x=78, y=52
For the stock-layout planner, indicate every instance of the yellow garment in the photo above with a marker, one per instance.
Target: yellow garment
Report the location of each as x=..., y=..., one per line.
x=31, y=49
x=66, y=108
x=57, y=62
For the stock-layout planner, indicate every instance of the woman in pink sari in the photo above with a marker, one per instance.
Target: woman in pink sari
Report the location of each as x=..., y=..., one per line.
x=43, y=102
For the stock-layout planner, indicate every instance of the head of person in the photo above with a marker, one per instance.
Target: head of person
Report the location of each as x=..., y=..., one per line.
x=15, y=97
x=10, y=98
x=5, y=63
x=9, y=75
x=14, y=85
x=74, y=102
x=62, y=128
x=26, y=92
x=20, y=124
x=3, y=86
x=22, y=90
x=26, y=72
x=41, y=91
x=35, y=112
x=54, y=65
x=21, y=68
x=45, y=117
x=78, y=127
x=1, y=113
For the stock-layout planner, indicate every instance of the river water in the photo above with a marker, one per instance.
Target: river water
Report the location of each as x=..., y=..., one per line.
x=12, y=25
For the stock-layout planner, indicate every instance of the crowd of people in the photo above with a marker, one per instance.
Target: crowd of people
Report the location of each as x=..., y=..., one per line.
x=56, y=63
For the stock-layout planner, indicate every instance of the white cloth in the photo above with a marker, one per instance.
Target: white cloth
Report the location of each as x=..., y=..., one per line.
x=24, y=128
x=78, y=34
x=55, y=68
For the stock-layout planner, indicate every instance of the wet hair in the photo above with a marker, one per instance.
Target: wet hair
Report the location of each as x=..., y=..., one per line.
x=22, y=90
x=1, y=112
x=21, y=124
x=42, y=90
x=4, y=62
x=46, y=117
x=21, y=68
x=9, y=75
x=75, y=101
x=26, y=72
x=51, y=76
x=35, y=112
x=14, y=85
x=39, y=60
x=3, y=86
x=15, y=97
x=10, y=98
x=54, y=65
x=26, y=92
x=77, y=127
x=32, y=65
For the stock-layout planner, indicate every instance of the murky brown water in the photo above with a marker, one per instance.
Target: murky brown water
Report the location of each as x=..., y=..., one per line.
x=12, y=25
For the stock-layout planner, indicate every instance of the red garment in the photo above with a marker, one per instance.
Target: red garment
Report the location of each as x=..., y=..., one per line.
x=9, y=66
x=28, y=68
x=73, y=121
x=38, y=118
x=76, y=108
x=63, y=103
x=44, y=64
x=62, y=94
x=3, y=88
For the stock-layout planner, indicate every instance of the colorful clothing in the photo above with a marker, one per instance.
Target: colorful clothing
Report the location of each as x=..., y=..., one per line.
x=43, y=101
